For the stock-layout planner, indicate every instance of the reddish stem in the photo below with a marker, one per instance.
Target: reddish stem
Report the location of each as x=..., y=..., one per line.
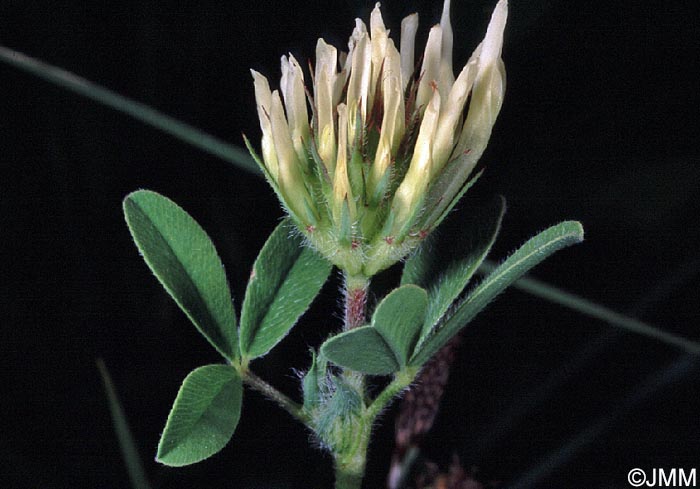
x=355, y=302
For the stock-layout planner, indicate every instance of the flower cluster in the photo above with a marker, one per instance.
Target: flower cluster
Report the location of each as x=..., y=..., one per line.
x=386, y=149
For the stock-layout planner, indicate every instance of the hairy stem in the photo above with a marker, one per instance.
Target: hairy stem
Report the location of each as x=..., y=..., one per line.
x=356, y=288
x=347, y=479
x=402, y=380
x=273, y=394
x=350, y=461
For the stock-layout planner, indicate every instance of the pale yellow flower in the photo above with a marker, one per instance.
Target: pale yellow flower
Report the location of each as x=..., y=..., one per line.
x=372, y=156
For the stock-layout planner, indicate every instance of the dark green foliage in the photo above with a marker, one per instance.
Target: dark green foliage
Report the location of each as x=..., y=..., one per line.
x=399, y=318
x=363, y=350
x=184, y=260
x=285, y=280
x=204, y=416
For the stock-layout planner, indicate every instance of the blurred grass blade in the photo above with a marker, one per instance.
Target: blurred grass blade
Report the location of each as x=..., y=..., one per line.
x=137, y=110
x=130, y=453
x=653, y=385
x=597, y=311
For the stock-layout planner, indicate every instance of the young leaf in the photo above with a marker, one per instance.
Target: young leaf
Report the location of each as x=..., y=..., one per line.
x=361, y=349
x=204, y=416
x=399, y=318
x=530, y=254
x=286, y=278
x=312, y=381
x=444, y=267
x=184, y=260
x=339, y=413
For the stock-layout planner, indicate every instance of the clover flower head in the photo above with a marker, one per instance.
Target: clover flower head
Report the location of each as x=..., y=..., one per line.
x=371, y=155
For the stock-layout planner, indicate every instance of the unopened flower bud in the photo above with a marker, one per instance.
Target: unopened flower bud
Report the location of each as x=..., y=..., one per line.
x=292, y=87
x=409, y=195
x=430, y=70
x=343, y=200
x=290, y=177
x=409, y=26
x=324, y=97
x=263, y=99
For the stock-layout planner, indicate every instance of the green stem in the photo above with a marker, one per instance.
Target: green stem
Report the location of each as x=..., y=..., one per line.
x=347, y=479
x=402, y=380
x=350, y=464
x=273, y=394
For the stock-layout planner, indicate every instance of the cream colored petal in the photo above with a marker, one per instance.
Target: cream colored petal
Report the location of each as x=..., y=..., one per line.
x=358, y=86
x=292, y=86
x=393, y=128
x=281, y=135
x=447, y=76
x=290, y=180
x=430, y=70
x=493, y=42
x=358, y=32
x=326, y=146
x=284, y=68
x=263, y=101
x=393, y=119
x=393, y=123
x=324, y=98
x=379, y=39
x=409, y=26
x=422, y=155
x=341, y=183
x=324, y=79
x=451, y=115
x=418, y=176
x=489, y=87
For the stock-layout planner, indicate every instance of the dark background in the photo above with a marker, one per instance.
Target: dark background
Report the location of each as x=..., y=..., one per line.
x=599, y=124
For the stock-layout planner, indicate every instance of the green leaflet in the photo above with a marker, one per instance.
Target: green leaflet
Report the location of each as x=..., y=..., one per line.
x=184, y=260
x=385, y=346
x=361, y=349
x=399, y=318
x=286, y=278
x=530, y=254
x=204, y=416
x=444, y=266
